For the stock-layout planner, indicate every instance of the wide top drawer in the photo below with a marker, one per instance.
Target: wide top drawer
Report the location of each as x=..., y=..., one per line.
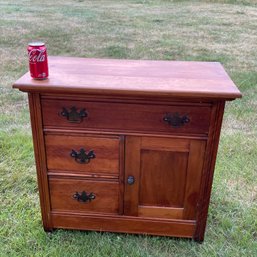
x=130, y=117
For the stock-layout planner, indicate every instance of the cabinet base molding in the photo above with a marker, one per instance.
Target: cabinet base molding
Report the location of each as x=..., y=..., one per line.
x=124, y=224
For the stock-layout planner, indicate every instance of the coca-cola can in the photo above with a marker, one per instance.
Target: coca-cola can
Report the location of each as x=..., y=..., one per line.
x=38, y=65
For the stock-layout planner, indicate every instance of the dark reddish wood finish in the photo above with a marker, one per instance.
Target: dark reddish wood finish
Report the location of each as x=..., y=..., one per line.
x=125, y=224
x=106, y=150
x=208, y=170
x=39, y=151
x=62, y=191
x=127, y=117
x=126, y=101
x=167, y=173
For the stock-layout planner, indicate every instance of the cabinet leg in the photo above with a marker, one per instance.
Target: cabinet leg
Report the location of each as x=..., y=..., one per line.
x=49, y=230
x=199, y=239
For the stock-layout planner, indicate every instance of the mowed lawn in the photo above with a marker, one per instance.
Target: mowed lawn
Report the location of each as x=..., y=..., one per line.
x=224, y=31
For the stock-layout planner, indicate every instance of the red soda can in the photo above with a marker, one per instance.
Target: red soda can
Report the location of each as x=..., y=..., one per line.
x=38, y=65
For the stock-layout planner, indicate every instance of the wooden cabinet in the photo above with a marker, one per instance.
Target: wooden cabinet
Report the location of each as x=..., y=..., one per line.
x=127, y=146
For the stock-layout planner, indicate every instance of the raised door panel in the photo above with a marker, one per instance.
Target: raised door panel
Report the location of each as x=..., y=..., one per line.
x=167, y=175
x=162, y=169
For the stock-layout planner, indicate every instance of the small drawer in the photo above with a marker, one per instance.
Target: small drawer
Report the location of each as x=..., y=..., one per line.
x=146, y=118
x=83, y=154
x=76, y=195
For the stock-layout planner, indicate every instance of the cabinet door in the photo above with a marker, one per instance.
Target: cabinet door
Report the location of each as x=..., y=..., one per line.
x=162, y=177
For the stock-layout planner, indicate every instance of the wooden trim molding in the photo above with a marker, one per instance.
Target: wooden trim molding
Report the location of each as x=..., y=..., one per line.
x=208, y=171
x=40, y=157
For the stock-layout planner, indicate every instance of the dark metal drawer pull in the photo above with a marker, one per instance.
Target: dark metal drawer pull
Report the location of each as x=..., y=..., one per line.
x=175, y=120
x=84, y=197
x=74, y=116
x=81, y=156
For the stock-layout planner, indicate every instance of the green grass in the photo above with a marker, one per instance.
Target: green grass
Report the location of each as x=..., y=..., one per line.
x=222, y=31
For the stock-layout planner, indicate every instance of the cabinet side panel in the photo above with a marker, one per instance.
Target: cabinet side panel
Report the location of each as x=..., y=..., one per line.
x=39, y=151
x=208, y=170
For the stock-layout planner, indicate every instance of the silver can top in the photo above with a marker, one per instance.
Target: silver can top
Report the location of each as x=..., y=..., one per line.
x=36, y=43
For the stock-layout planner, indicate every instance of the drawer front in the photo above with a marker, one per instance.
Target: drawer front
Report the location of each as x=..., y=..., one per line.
x=83, y=154
x=126, y=117
x=76, y=195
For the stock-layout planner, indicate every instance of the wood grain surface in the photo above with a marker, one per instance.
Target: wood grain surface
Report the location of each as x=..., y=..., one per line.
x=126, y=102
x=167, y=176
x=125, y=224
x=62, y=191
x=127, y=117
x=106, y=150
x=133, y=77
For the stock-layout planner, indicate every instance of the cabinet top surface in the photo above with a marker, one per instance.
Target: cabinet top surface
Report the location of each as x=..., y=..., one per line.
x=134, y=78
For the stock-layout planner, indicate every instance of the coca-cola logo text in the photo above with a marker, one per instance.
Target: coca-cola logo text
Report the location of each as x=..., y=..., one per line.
x=37, y=55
